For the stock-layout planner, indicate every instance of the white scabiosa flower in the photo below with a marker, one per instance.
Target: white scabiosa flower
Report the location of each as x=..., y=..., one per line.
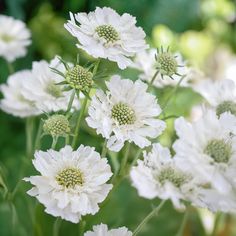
x=14, y=38
x=125, y=113
x=210, y=145
x=14, y=102
x=171, y=67
x=159, y=175
x=105, y=34
x=44, y=89
x=102, y=230
x=220, y=94
x=72, y=183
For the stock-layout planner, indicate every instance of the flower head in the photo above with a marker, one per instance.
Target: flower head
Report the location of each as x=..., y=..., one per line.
x=105, y=34
x=45, y=88
x=14, y=38
x=102, y=230
x=14, y=101
x=221, y=95
x=169, y=65
x=72, y=183
x=159, y=175
x=57, y=125
x=125, y=113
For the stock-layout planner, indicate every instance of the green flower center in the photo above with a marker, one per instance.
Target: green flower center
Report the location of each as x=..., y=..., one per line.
x=57, y=125
x=123, y=114
x=167, y=64
x=6, y=38
x=219, y=150
x=108, y=33
x=226, y=106
x=70, y=178
x=54, y=90
x=169, y=174
x=80, y=78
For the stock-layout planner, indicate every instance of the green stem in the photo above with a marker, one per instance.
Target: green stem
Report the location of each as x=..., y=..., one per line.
x=56, y=226
x=216, y=224
x=153, y=79
x=10, y=68
x=154, y=212
x=183, y=224
x=125, y=159
x=29, y=136
x=172, y=93
x=54, y=142
x=67, y=139
x=136, y=158
x=81, y=114
x=70, y=102
x=38, y=136
x=104, y=149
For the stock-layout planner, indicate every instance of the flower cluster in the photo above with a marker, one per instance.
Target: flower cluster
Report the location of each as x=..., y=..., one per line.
x=74, y=179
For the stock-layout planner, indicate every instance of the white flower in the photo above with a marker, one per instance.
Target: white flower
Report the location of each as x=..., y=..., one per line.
x=105, y=34
x=145, y=62
x=14, y=102
x=14, y=37
x=159, y=175
x=220, y=94
x=125, y=113
x=43, y=88
x=72, y=183
x=209, y=144
x=102, y=230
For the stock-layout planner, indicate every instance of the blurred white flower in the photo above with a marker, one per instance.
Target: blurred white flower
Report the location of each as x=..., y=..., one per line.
x=209, y=144
x=14, y=101
x=220, y=94
x=159, y=175
x=102, y=230
x=145, y=62
x=72, y=183
x=14, y=38
x=105, y=34
x=44, y=90
x=125, y=113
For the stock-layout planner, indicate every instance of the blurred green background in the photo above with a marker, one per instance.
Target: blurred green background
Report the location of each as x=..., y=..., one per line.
x=203, y=31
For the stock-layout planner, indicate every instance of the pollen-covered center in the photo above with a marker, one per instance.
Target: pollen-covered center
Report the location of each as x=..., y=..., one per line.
x=167, y=64
x=226, y=106
x=6, y=38
x=219, y=150
x=123, y=114
x=169, y=174
x=108, y=33
x=79, y=78
x=54, y=90
x=70, y=178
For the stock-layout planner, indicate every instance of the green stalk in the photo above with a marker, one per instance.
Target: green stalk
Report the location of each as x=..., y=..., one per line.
x=183, y=224
x=81, y=114
x=70, y=102
x=104, y=149
x=154, y=212
x=38, y=136
x=54, y=142
x=10, y=68
x=56, y=226
x=152, y=80
x=29, y=136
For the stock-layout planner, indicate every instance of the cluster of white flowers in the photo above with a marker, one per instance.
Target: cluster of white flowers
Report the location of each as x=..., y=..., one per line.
x=73, y=182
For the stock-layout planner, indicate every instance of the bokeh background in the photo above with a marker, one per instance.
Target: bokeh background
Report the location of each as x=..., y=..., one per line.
x=203, y=31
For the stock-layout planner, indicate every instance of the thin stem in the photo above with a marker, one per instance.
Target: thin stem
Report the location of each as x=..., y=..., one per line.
x=154, y=212
x=152, y=80
x=70, y=102
x=29, y=136
x=172, y=93
x=67, y=139
x=38, y=136
x=183, y=224
x=56, y=226
x=104, y=149
x=10, y=68
x=216, y=224
x=54, y=142
x=136, y=158
x=81, y=114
